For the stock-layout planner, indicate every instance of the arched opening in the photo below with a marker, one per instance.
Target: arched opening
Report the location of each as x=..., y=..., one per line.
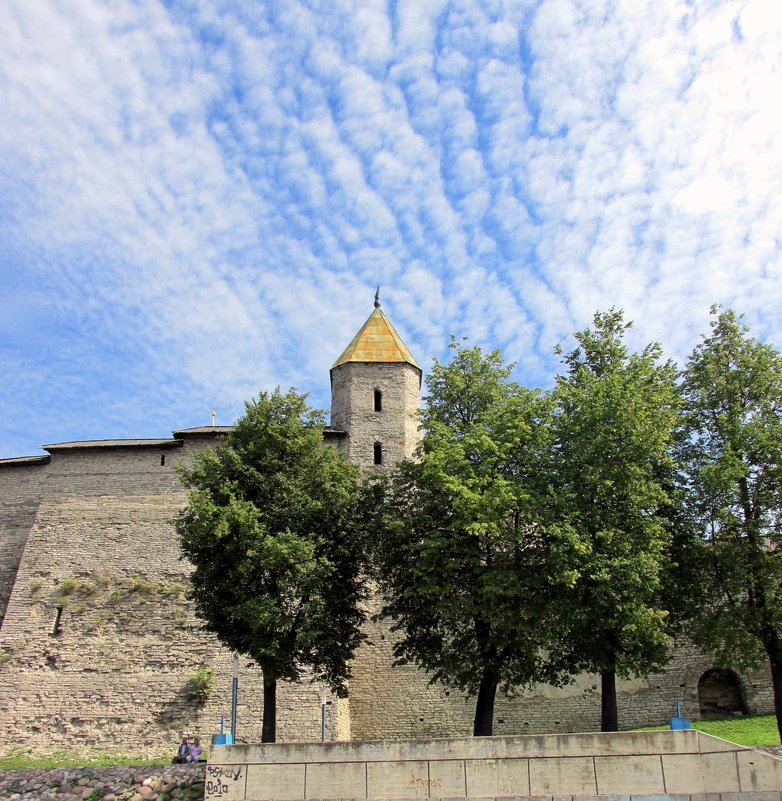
x=720, y=694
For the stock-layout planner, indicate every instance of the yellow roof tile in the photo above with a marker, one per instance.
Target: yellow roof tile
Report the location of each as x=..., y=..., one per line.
x=376, y=341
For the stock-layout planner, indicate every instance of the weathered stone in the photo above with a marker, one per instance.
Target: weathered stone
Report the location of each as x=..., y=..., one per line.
x=98, y=639
x=112, y=784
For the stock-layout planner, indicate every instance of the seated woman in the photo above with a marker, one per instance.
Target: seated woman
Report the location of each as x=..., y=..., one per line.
x=194, y=753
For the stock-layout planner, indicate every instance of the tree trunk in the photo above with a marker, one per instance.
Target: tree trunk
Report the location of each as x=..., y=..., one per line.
x=484, y=706
x=776, y=683
x=609, y=716
x=269, y=730
x=773, y=647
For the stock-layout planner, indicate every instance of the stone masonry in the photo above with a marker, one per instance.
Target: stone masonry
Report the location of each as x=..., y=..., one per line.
x=98, y=641
x=394, y=428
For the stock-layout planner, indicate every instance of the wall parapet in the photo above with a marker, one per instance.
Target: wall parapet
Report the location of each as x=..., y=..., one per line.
x=660, y=764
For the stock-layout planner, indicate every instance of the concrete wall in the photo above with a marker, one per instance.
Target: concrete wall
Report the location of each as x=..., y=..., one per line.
x=659, y=764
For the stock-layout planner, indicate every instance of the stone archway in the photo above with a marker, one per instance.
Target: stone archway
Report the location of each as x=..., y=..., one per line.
x=720, y=694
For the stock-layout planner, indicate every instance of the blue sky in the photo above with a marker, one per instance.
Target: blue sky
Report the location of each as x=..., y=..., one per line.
x=197, y=199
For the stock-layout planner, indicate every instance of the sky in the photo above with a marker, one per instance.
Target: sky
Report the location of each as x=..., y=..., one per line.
x=199, y=198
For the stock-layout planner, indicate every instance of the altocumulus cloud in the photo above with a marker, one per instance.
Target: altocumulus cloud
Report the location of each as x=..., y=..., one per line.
x=197, y=199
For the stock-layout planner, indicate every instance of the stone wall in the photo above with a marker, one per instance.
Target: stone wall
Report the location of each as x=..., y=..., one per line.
x=99, y=641
x=21, y=484
x=398, y=702
x=395, y=427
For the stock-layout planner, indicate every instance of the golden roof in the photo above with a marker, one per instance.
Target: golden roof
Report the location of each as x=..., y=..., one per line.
x=376, y=341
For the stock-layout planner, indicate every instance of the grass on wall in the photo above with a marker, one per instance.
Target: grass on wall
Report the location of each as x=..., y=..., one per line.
x=26, y=758
x=759, y=730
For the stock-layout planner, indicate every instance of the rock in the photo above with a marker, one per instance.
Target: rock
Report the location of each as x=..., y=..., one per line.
x=120, y=783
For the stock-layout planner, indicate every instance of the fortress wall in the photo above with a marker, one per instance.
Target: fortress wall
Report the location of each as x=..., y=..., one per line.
x=21, y=485
x=648, y=701
x=398, y=702
x=115, y=675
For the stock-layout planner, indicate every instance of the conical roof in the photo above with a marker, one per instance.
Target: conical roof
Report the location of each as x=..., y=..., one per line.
x=376, y=341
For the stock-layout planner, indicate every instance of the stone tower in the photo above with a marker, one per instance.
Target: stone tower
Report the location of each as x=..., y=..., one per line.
x=375, y=394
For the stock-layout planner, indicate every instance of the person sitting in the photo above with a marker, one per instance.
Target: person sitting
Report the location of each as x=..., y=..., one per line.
x=182, y=752
x=194, y=754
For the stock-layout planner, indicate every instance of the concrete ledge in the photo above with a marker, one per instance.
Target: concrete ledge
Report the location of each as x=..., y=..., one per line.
x=618, y=766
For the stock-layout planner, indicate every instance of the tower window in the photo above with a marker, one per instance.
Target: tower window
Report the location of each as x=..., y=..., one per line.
x=378, y=453
x=378, y=401
x=162, y=460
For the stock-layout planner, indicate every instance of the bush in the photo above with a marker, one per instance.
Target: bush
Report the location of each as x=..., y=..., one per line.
x=201, y=685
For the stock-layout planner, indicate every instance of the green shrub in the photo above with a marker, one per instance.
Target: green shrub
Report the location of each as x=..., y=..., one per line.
x=71, y=585
x=142, y=587
x=201, y=685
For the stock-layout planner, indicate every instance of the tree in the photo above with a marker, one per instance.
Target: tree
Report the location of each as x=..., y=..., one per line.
x=468, y=568
x=272, y=528
x=733, y=452
x=614, y=423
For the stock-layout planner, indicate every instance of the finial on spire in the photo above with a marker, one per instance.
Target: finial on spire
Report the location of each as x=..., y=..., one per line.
x=377, y=297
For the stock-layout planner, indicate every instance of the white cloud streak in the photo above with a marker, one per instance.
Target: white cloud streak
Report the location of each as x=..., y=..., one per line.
x=197, y=201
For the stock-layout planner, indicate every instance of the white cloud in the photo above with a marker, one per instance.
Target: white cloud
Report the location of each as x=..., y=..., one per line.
x=210, y=193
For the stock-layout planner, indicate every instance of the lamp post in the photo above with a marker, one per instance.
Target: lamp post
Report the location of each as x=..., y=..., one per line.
x=234, y=696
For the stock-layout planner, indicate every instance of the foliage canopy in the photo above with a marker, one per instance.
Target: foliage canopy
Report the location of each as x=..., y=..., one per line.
x=468, y=566
x=273, y=529
x=615, y=414
x=732, y=450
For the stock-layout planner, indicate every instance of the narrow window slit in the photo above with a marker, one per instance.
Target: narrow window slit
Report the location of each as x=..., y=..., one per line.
x=56, y=628
x=162, y=459
x=378, y=453
x=378, y=401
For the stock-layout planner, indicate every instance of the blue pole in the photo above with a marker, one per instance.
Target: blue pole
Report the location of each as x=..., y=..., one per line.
x=323, y=716
x=234, y=696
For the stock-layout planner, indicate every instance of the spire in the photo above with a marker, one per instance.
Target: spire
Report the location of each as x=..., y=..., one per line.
x=376, y=341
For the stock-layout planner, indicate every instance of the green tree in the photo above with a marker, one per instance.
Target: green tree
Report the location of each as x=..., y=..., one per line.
x=273, y=529
x=614, y=423
x=733, y=451
x=468, y=568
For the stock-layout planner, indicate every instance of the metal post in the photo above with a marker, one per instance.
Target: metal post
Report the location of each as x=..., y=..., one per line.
x=234, y=696
x=323, y=716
